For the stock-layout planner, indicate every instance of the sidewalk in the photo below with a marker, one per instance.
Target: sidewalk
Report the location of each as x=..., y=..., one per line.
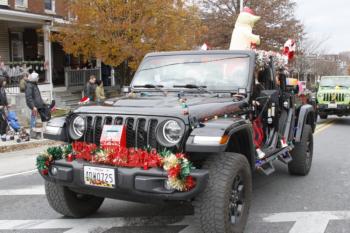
x=13, y=145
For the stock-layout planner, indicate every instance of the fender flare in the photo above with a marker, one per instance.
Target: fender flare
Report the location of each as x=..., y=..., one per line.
x=304, y=112
x=220, y=128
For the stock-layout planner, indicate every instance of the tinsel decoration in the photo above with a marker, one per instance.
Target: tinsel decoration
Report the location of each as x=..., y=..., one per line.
x=178, y=167
x=44, y=160
x=263, y=59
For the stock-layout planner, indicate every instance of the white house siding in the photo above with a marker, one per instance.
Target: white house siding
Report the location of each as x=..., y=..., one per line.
x=4, y=41
x=4, y=2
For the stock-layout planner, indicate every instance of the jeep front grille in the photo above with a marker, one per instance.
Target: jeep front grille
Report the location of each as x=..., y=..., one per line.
x=140, y=131
x=339, y=97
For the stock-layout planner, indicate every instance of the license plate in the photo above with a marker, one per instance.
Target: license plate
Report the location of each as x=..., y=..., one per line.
x=332, y=105
x=98, y=176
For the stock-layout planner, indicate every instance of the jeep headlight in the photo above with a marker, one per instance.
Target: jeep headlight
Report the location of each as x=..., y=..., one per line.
x=319, y=95
x=347, y=95
x=170, y=133
x=77, y=128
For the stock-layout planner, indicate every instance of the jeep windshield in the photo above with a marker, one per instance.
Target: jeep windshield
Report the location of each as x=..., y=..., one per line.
x=335, y=81
x=215, y=72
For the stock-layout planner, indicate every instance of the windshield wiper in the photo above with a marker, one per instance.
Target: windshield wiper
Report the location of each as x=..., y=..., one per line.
x=152, y=86
x=193, y=86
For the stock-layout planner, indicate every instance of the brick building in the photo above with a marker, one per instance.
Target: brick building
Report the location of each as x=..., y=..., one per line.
x=25, y=28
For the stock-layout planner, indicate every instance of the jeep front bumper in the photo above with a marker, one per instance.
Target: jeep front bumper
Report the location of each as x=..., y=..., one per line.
x=340, y=109
x=133, y=184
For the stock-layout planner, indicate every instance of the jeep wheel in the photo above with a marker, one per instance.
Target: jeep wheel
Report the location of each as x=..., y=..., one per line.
x=223, y=206
x=323, y=116
x=69, y=203
x=302, y=154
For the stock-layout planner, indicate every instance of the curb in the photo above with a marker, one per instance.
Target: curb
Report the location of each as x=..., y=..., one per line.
x=27, y=145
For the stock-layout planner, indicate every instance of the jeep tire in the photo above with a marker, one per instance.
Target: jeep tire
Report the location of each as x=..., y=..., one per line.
x=302, y=154
x=69, y=203
x=323, y=116
x=223, y=206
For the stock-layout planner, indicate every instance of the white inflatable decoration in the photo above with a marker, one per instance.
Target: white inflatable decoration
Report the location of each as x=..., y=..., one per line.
x=204, y=47
x=242, y=36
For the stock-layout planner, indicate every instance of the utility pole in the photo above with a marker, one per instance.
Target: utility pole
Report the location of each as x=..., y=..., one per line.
x=241, y=5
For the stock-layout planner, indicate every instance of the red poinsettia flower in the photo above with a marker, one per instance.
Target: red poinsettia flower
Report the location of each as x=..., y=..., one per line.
x=45, y=172
x=174, y=171
x=190, y=183
x=70, y=158
x=180, y=155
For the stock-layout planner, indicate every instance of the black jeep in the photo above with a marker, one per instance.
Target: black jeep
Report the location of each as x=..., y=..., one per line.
x=228, y=113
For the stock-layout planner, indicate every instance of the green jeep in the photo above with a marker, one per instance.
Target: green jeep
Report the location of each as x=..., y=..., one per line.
x=333, y=96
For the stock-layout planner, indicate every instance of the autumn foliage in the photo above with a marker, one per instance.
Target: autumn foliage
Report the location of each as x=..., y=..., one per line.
x=119, y=30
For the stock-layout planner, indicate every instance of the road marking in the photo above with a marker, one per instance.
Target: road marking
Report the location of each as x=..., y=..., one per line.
x=17, y=174
x=32, y=190
x=308, y=222
x=320, y=125
x=88, y=224
x=305, y=222
x=324, y=126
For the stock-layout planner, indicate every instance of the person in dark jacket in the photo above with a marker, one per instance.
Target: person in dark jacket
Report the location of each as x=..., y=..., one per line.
x=90, y=88
x=3, y=105
x=3, y=72
x=35, y=101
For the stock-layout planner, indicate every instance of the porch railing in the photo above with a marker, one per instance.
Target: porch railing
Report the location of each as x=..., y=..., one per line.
x=78, y=78
x=12, y=86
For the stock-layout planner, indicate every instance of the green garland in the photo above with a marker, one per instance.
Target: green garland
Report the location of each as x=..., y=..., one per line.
x=44, y=160
x=177, y=166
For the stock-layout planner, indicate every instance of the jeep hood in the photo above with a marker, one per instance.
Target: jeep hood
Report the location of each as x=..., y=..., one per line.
x=199, y=107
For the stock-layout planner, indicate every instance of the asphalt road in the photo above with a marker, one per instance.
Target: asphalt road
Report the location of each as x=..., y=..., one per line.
x=282, y=203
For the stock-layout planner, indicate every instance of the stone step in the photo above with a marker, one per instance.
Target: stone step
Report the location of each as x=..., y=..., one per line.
x=67, y=98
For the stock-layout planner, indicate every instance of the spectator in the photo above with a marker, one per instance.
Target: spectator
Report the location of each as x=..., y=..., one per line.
x=89, y=90
x=23, y=83
x=100, y=91
x=35, y=101
x=3, y=72
x=3, y=106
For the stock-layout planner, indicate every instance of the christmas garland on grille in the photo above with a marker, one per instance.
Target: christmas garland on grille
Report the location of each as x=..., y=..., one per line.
x=177, y=166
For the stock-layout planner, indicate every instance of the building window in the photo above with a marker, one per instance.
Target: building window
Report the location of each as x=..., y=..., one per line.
x=17, y=46
x=21, y=3
x=49, y=5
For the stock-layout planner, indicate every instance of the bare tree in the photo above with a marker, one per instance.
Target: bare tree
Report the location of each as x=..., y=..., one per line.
x=312, y=62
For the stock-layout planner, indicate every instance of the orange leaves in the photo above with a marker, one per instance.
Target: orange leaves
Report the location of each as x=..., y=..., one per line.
x=119, y=30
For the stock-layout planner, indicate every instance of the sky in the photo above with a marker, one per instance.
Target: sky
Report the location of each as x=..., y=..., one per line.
x=327, y=19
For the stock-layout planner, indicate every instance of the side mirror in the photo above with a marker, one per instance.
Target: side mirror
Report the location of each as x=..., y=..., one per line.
x=126, y=89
